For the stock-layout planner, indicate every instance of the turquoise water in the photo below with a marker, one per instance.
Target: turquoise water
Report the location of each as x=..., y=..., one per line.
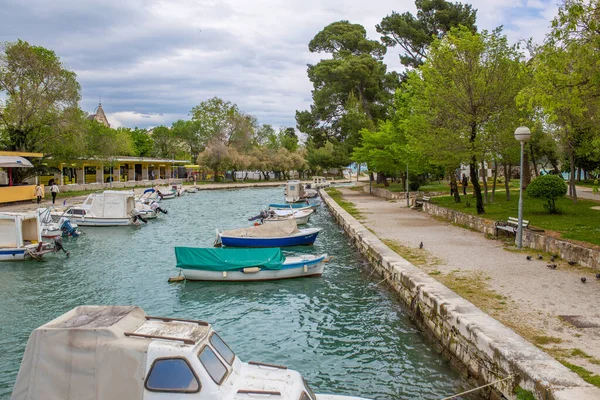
x=344, y=333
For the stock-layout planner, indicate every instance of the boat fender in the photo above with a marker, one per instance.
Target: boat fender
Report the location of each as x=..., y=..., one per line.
x=224, y=274
x=251, y=270
x=305, y=268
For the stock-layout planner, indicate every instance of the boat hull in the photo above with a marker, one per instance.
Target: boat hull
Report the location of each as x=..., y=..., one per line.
x=11, y=254
x=296, y=240
x=91, y=221
x=297, y=269
x=303, y=220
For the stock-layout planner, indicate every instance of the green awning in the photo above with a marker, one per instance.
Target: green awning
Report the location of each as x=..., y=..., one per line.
x=227, y=259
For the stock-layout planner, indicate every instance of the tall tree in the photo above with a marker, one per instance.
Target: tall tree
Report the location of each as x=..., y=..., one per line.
x=142, y=143
x=355, y=69
x=414, y=34
x=165, y=143
x=469, y=78
x=192, y=134
x=39, y=90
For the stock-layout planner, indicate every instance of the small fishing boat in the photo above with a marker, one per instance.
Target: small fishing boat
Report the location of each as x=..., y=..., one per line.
x=21, y=237
x=120, y=353
x=165, y=193
x=192, y=189
x=319, y=182
x=282, y=234
x=306, y=204
x=232, y=265
x=294, y=192
x=145, y=210
x=301, y=216
x=148, y=196
x=109, y=208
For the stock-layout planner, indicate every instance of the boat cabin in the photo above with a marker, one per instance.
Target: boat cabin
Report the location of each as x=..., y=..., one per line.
x=119, y=352
x=294, y=191
x=319, y=182
x=17, y=232
x=108, y=204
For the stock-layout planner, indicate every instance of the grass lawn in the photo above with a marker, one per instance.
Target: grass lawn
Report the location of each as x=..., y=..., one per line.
x=346, y=205
x=575, y=221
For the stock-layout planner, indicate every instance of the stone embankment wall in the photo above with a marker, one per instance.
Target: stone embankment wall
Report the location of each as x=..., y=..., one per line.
x=115, y=185
x=487, y=349
x=586, y=256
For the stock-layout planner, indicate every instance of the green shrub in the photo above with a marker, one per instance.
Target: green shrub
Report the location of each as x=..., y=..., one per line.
x=549, y=188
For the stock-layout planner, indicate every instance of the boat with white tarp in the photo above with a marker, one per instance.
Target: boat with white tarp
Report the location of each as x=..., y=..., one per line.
x=108, y=208
x=281, y=234
x=120, y=353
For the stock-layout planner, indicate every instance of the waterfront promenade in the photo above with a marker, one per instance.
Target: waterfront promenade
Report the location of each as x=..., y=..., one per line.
x=524, y=295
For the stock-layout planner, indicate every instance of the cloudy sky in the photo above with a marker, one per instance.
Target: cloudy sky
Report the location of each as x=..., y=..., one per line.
x=151, y=61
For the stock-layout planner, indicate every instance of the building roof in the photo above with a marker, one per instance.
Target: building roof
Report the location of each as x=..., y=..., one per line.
x=99, y=116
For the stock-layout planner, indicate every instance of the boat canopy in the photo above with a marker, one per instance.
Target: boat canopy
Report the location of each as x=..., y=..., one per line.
x=60, y=355
x=282, y=229
x=226, y=259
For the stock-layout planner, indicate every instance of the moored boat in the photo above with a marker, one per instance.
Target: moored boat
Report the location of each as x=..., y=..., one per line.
x=295, y=206
x=51, y=224
x=21, y=237
x=109, y=208
x=122, y=353
x=234, y=264
x=282, y=234
x=302, y=216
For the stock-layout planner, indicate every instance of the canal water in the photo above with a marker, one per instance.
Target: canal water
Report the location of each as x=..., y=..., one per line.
x=343, y=332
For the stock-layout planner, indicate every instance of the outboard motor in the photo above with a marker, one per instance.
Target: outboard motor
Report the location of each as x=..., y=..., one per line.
x=67, y=229
x=263, y=214
x=155, y=207
x=135, y=215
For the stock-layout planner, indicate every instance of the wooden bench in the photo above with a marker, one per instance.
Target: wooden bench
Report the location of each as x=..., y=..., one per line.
x=420, y=200
x=511, y=225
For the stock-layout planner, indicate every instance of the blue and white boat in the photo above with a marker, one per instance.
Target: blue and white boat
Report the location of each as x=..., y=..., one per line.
x=21, y=237
x=281, y=234
x=234, y=265
x=295, y=206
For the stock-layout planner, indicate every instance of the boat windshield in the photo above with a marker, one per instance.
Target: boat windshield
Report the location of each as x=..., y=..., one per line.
x=224, y=351
x=215, y=368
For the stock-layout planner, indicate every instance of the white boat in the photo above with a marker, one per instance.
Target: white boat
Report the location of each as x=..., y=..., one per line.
x=235, y=265
x=145, y=210
x=301, y=216
x=120, y=353
x=148, y=196
x=21, y=237
x=294, y=192
x=319, y=182
x=192, y=189
x=165, y=193
x=53, y=225
x=109, y=208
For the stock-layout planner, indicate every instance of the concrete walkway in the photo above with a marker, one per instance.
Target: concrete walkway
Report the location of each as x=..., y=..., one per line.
x=524, y=295
x=587, y=193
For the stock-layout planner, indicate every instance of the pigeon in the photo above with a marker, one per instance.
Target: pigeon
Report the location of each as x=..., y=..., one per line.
x=529, y=258
x=572, y=262
x=540, y=257
x=551, y=266
x=583, y=279
x=554, y=257
x=421, y=245
x=597, y=276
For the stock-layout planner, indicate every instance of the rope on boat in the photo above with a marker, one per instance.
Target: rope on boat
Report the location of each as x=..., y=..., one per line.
x=477, y=388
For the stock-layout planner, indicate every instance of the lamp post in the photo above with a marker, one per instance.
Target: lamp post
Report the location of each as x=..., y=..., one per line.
x=407, y=197
x=522, y=134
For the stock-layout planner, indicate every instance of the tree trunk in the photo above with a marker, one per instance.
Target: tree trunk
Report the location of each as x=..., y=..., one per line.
x=526, y=170
x=535, y=169
x=507, y=169
x=215, y=175
x=384, y=180
x=357, y=171
x=494, y=182
x=454, y=187
x=233, y=175
x=573, y=191
x=473, y=171
x=484, y=177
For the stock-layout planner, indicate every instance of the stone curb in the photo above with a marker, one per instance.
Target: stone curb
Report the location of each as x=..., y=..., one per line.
x=486, y=348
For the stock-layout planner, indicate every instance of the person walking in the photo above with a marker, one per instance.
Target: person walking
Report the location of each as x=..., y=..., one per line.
x=39, y=193
x=465, y=183
x=54, y=190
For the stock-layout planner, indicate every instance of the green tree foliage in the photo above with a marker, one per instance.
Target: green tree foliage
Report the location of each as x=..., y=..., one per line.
x=190, y=133
x=105, y=143
x=467, y=80
x=567, y=80
x=414, y=34
x=549, y=188
x=142, y=143
x=289, y=139
x=355, y=74
x=41, y=95
x=166, y=145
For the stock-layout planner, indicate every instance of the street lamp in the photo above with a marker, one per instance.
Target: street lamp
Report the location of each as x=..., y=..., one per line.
x=522, y=134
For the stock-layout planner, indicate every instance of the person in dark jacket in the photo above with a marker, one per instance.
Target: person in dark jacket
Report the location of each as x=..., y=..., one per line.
x=465, y=183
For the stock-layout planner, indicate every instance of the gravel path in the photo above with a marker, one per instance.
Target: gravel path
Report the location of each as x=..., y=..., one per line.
x=529, y=296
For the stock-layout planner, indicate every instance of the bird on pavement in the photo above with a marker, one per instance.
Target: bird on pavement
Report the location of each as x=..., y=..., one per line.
x=597, y=276
x=540, y=257
x=529, y=258
x=572, y=262
x=551, y=266
x=421, y=245
x=583, y=279
x=554, y=257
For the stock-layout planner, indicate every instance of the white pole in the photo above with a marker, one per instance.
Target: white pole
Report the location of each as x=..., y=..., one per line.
x=520, y=225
